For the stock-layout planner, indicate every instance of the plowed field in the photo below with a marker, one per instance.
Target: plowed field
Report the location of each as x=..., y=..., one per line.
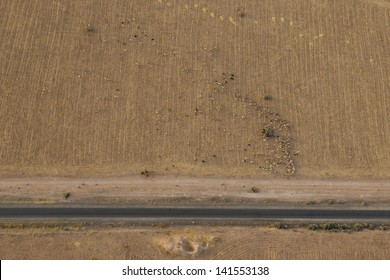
x=230, y=88
x=191, y=243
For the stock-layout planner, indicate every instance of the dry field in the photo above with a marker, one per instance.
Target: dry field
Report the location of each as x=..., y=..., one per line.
x=191, y=243
x=179, y=87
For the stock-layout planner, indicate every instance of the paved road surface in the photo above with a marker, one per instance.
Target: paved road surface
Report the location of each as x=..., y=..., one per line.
x=192, y=213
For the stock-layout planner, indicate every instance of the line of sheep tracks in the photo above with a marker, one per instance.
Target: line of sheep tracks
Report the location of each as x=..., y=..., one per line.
x=205, y=10
x=311, y=39
x=268, y=146
x=271, y=144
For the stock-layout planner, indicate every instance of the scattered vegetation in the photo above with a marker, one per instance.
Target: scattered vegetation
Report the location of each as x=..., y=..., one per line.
x=313, y=227
x=311, y=202
x=255, y=190
x=280, y=226
x=44, y=225
x=357, y=227
x=66, y=195
x=383, y=227
x=341, y=227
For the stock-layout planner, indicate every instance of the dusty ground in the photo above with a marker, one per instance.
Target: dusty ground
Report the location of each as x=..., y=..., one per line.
x=232, y=89
x=157, y=190
x=192, y=243
x=113, y=87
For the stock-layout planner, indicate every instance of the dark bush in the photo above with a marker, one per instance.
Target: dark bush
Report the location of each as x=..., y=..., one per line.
x=269, y=132
x=146, y=173
x=357, y=227
x=280, y=225
x=313, y=227
x=383, y=227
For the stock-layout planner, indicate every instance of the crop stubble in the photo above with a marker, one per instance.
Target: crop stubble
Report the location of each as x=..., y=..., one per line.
x=179, y=86
x=191, y=243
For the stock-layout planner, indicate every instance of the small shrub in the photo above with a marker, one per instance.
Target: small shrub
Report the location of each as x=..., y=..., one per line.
x=255, y=190
x=344, y=226
x=324, y=226
x=90, y=28
x=267, y=97
x=382, y=227
x=269, y=132
x=313, y=227
x=329, y=226
x=146, y=173
x=357, y=227
x=311, y=202
x=280, y=225
x=66, y=195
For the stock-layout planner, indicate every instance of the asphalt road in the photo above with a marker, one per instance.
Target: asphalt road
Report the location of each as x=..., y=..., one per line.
x=191, y=213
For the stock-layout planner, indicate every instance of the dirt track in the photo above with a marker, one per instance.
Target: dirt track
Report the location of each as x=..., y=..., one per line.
x=190, y=190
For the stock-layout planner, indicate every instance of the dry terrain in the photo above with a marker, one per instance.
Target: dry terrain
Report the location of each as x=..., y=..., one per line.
x=175, y=191
x=217, y=90
x=77, y=242
x=195, y=87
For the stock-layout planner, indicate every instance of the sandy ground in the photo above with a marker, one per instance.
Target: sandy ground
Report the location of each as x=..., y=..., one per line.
x=191, y=243
x=157, y=190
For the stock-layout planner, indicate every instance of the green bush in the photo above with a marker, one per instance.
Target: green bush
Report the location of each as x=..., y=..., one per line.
x=313, y=227
x=66, y=195
x=90, y=28
x=329, y=226
x=358, y=227
x=344, y=226
x=383, y=227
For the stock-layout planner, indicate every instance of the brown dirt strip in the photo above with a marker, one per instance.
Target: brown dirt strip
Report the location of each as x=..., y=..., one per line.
x=157, y=190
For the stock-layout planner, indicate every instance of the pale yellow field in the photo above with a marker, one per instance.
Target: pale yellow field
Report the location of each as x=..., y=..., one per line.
x=178, y=87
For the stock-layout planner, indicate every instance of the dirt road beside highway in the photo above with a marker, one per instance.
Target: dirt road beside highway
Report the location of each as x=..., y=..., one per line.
x=175, y=191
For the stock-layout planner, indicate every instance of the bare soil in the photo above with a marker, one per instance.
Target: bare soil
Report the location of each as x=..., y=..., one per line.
x=175, y=191
x=191, y=243
x=107, y=88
